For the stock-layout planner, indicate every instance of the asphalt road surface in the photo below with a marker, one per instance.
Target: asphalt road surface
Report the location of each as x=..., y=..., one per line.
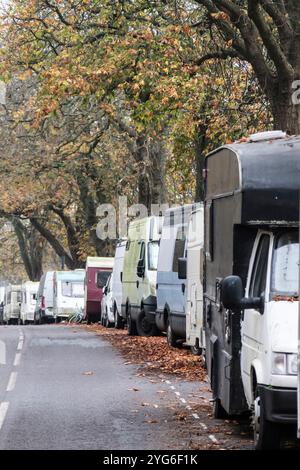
x=66, y=388
x=62, y=387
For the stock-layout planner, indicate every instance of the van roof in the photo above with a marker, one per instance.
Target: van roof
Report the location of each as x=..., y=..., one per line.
x=70, y=276
x=266, y=172
x=99, y=262
x=145, y=228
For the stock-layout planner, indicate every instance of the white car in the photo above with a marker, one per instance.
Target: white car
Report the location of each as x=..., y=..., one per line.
x=107, y=310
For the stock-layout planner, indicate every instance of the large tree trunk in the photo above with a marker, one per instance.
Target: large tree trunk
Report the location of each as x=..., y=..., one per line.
x=200, y=145
x=31, y=246
x=286, y=113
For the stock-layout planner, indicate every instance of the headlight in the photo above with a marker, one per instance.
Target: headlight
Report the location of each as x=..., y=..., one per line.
x=284, y=364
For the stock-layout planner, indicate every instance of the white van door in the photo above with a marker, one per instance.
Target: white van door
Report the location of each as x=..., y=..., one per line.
x=253, y=320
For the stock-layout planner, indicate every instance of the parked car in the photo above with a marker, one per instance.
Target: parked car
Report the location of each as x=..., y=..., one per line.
x=12, y=304
x=116, y=283
x=43, y=312
x=171, y=290
x=96, y=274
x=195, y=336
x=28, y=302
x=140, y=276
x=2, y=296
x=107, y=312
x=68, y=293
x=251, y=277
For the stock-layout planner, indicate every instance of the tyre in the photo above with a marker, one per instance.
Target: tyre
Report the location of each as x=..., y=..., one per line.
x=131, y=326
x=171, y=337
x=196, y=351
x=144, y=327
x=218, y=410
x=119, y=322
x=266, y=433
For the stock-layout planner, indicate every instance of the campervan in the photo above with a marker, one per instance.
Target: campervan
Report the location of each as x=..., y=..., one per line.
x=96, y=274
x=12, y=304
x=171, y=290
x=140, y=276
x=28, y=301
x=251, y=281
x=68, y=293
x=43, y=312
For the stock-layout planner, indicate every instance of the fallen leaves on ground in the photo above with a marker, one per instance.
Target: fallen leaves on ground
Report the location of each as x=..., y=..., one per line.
x=88, y=372
x=153, y=354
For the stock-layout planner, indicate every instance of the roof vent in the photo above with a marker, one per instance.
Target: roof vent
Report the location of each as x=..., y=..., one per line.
x=269, y=135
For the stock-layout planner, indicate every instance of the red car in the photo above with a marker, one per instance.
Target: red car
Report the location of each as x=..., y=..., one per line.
x=97, y=272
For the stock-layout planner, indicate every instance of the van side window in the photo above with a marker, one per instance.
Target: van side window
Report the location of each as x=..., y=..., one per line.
x=178, y=250
x=142, y=251
x=259, y=271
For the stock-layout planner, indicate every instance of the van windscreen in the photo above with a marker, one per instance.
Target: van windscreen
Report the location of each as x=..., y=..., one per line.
x=285, y=268
x=102, y=277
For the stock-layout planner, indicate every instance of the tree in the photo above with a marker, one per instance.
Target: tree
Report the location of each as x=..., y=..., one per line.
x=265, y=34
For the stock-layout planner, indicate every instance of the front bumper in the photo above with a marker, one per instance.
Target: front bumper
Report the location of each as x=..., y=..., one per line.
x=280, y=404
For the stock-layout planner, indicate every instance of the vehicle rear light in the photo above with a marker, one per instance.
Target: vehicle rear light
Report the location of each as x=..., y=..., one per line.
x=43, y=302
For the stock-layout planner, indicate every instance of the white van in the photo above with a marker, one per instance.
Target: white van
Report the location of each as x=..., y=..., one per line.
x=195, y=337
x=68, y=296
x=2, y=296
x=12, y=304
x=107, y=312
x=28, y=302
x=116, y=284
x=140, y=276
x=44, y=303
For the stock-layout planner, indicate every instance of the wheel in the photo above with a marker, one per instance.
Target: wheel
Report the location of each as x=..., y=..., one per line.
x=196, y=351
x=171, y=337
x=144, y=327
x=218, y=410
x=131, y=326
x=266, y=433
x=119, y=323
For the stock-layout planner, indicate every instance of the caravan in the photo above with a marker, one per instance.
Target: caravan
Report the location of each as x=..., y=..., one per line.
x=12, y=304
x=28, y=302
x=68, y=293
x=43, y=312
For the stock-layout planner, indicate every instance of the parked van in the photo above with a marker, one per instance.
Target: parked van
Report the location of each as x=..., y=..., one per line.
x=171, y=290
x=195, y=337
x=68, y=293
x=140, y=276
x=43, y=311
x=107, y=312
x=28, y=302
x=96, y=274
x=12, y=304
x=251, y=276
x=116, y=284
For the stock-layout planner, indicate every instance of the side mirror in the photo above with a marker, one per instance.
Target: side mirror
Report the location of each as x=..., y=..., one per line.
x=140, y=272
x=232, y=296
x=182, y=263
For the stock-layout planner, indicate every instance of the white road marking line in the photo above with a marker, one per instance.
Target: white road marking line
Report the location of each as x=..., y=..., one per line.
x=183, y=400
x=177, y=393
x=213, y=439
x=17, y=359
x=195, y=415
x=2, y=353
x=3, y=410
x=20, y=345
x=12, y=381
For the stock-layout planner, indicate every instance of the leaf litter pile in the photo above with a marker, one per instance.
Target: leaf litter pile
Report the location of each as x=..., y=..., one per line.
x=153, y=354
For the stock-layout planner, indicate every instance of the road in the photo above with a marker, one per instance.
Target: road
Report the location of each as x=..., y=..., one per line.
x=66, y=388
x=63, y=387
